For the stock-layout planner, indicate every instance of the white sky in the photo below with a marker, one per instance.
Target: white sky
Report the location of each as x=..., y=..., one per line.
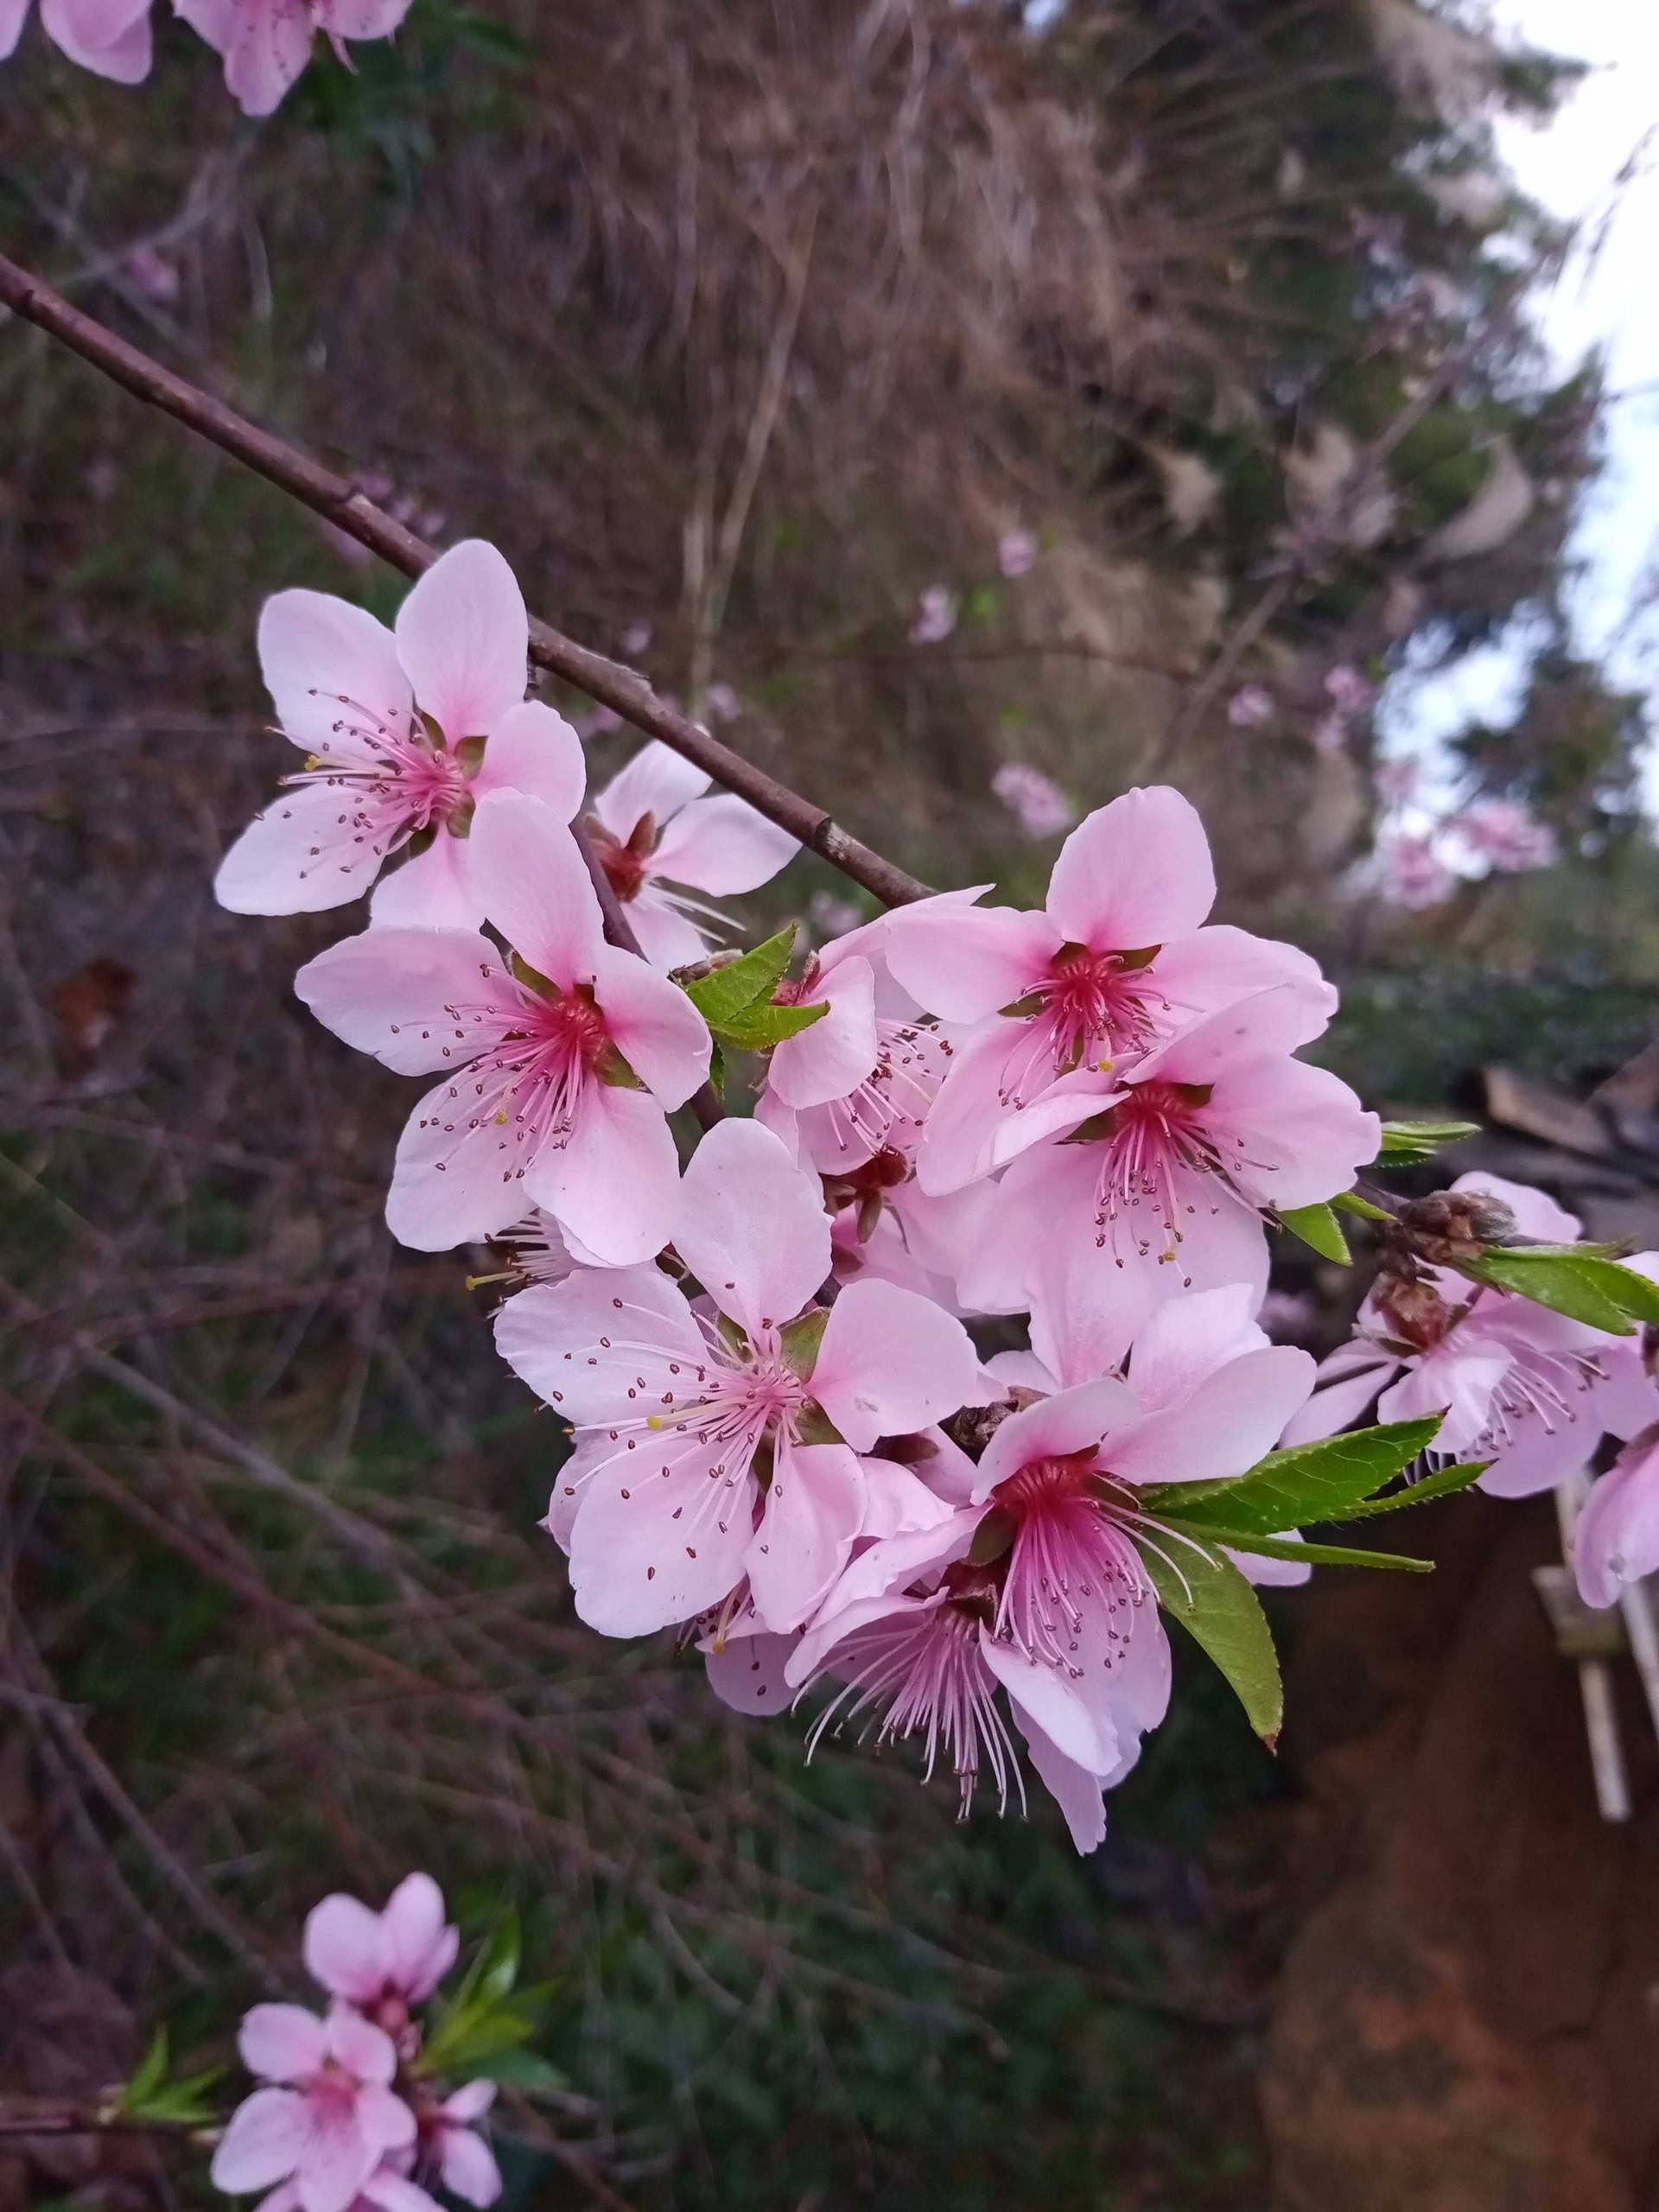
x=1609, y=299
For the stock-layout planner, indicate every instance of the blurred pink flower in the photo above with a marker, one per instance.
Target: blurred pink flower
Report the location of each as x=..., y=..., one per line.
x=265, y=44
x=110, y=37
x=832, y=916
x=1616, y=1541
x=465, y=2162
x=723, y=703
x=558, y=1070
x=1413, y=875
x=1507, y=835
x=636, y=637
x=1397, y=780
x=1329, y=736
x=936, y=616
x=329, y=2117
x=1035, y=800
x=151, y=274
x=1250, y=707
x=1348, y=692
x=1016, y=552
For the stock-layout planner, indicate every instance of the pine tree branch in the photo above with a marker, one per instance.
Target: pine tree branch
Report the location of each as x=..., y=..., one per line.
x=340, y=501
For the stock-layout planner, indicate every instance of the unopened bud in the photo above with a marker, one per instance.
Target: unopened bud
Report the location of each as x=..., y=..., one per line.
x=1449, y=1226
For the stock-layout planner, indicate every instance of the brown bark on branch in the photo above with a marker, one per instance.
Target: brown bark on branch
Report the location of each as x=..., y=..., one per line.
x=340, y=501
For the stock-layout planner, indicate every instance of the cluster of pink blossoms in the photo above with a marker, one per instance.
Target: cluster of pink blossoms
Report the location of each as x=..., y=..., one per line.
x=346, y=2119
x=264, y=44
x=1084, y=1116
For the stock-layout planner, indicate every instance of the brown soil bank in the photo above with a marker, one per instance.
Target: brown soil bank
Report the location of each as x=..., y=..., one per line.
x=1468, y=2017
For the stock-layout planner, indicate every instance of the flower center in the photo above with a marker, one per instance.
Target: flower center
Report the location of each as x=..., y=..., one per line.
x=1153, y=1140
x=1068, y=1551
x=1096, y=1004
x=626, y=866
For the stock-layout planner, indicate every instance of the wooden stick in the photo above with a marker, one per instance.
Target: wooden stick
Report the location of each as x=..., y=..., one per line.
x=340, y=500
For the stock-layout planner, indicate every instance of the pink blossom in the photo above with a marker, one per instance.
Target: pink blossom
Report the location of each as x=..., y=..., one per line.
x=863, y=1078
x=151, y=274
x=711, y=1447
x=1329, y=736
x=1016, y=552
x=883, y=1224
x=1118, y=961
x=723, y=703
x=936, y=616
x=382, y=1963
x=1507, y=835
x=110, y=37
x=405, y=733
x=1035, y=800
x=1162, y=1182
x=386, y=2190
x=452, y=2141
x=329, y=2117
x=1413, y=875
x=1526, y=1388
x=1348, y=692
x=660, y=842
x=1616, y=1539
x=1250, y=706
x=635, y=639
x=831, y=916
x=560, y=1063
x=266, y=44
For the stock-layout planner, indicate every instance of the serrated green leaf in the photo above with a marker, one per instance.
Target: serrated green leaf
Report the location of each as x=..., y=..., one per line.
x=1591, y=1291
x=147, y=2075
x=1222, y=1613
x=1323, y=1481
x=726, y=991
x=1351, y=1202
x=1306, y=1554
x=1444, y=1482
x=759, y=1028
x=1317, y=1226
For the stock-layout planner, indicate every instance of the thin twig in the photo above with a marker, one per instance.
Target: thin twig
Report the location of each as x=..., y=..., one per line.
x=339, y=501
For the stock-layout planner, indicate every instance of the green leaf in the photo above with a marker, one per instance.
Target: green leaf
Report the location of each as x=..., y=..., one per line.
x=498, y=1963
x=759, y=1028
x=183, y=2102
x=1222, y=1613
x=726, y=991
x=1596, y=1290
x=1310, y=1482
x=1246, y=1539
x=524, y=2069
x=1444, y=1482
x=1317, y=1226
x=800, y=1341
x=147, y=2075
x=1351, y=1202
x=1404, y=1143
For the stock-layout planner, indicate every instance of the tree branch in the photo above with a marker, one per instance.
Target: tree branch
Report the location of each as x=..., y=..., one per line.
x=340, y=501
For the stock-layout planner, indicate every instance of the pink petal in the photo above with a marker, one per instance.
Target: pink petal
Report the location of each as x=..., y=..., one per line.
x=965, y=965
x=391, y=991
x=344, y=1950
x=209, y=19
x=1134, y=873
x=838, y=1053
x=281, y=2043
x=453, y=1183
x=814, y=1512
x=14, y=13
x=1045, y=1696
x=392, y=2192
x=657, y=782
x=1537, y=1458
x=361, y=2048
x=1459, y=1380
x=1076, y=1792
x=413, y=1929
x=265, y=53
x=751, y=1226
x=1219, y=965
x=890, y=1363
x=634, y=1566
x=536, y=886
x=110, y=37
x=897, y=1501
x=959, y=1138
x=463, y=638
x=1051, y=1186
x=554, y=1337
x=615, y=1184
x=836, y=1622
x=535, y=751
x=1078, y=1317
x=386, y=2121
x=468, y=2166
x=876, y=1576
x=336, y=2162
x=1189, y=1339
x=310, y=848
x=362, y=18
x=1295, y=1134
x=432, y=890
x=1073, y=1420
x=263, y=2142
x=653, y=1024
x=469, y=2102
x=1340, y=1404
x=747, y=1673
x=1247, y=1031
x=723, y=847
x=1222, y=1428
x=1272, y=1573
x=1616, y=1541
x=666, y=938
